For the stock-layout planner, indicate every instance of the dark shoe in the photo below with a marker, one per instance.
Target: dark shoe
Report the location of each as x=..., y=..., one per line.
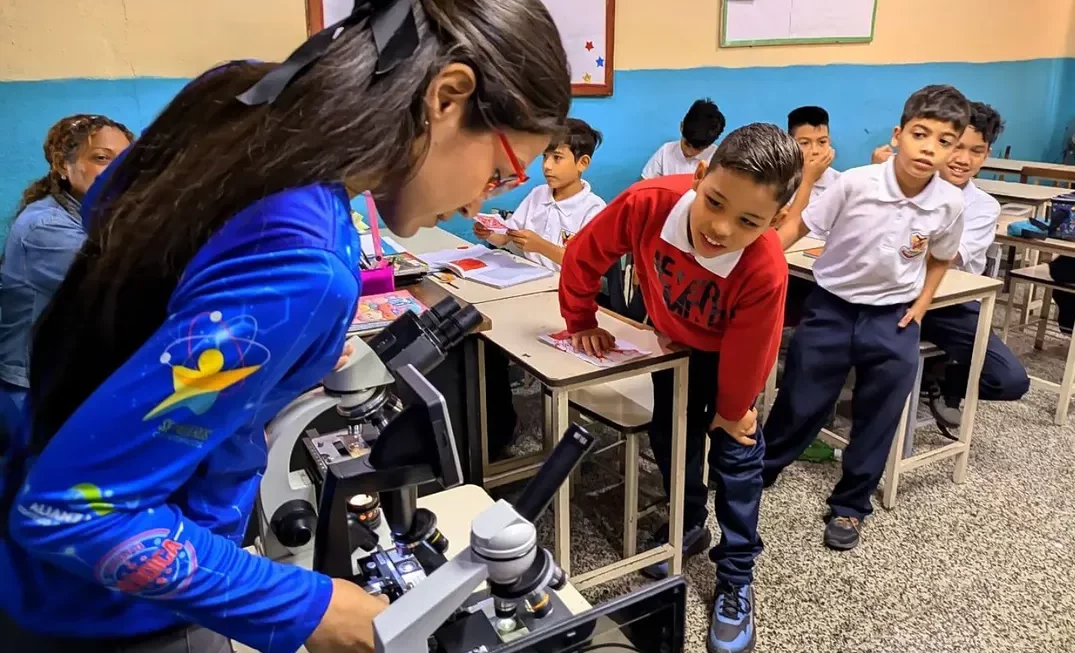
x=842, y=533
x=695, y=540
x=731, y=629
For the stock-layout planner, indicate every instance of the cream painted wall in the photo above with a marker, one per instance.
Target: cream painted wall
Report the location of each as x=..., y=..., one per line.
x=686, y=34
x=50, y=39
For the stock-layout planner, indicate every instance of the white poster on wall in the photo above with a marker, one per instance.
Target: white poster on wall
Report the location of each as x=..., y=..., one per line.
x=582, y=28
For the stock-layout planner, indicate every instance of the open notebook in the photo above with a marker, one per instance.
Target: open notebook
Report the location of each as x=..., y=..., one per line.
x=491, y=267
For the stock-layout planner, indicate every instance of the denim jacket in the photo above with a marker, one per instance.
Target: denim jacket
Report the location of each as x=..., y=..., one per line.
x=40, y=246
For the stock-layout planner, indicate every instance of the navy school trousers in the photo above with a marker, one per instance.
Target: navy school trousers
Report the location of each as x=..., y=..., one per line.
x=736, y=468
x=833, y=338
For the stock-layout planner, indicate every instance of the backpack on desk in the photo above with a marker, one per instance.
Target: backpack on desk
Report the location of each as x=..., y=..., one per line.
x=1061, y=219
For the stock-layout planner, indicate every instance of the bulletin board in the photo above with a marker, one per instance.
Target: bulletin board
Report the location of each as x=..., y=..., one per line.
x=751, y=23
x=586, y=29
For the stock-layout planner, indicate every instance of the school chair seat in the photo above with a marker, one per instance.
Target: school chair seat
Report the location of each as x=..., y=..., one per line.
x=1039, y=275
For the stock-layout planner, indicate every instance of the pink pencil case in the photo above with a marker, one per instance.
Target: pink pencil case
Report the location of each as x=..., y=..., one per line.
x=381, y=278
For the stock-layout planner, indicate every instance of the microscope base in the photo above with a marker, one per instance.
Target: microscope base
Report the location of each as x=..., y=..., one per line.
x=474, y=626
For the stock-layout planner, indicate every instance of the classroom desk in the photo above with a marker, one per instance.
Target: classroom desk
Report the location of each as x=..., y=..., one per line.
x=1015, y=166
x=517, y=323
x=956, y=288
x=805, y=243
x=1011, y=191
x=435, y=239
x=455, y=510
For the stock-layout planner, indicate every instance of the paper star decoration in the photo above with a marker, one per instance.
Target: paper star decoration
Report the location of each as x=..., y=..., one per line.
x=589, y=45
x=587, y=78
x=600, y=62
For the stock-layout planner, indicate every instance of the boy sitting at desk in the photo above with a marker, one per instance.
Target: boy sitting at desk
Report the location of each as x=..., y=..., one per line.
x=699, y=129
x=713, y=277
x=555, y=211
x=891, y=231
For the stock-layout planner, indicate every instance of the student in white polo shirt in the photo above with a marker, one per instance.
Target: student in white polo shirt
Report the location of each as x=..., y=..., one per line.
x=891, y=232
x=699, y=131
x=809, y=126
x=557, y=210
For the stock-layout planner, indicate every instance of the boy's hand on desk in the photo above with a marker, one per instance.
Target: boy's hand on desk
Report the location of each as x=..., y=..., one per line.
x=741, y=430
x=527, y=240
x=593, y=342
x=915, y=312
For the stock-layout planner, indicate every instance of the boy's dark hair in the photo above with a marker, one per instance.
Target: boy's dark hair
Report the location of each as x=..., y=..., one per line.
x=813, y=116
x=986, y=121
x=937, y=102
x=703, y=124
x=578, y=136
x=765, y=152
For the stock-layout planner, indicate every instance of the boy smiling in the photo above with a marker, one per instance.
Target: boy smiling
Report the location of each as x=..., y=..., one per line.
x=713, y=277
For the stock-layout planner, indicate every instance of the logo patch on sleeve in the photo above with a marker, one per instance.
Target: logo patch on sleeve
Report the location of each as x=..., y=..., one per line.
x=150, y=565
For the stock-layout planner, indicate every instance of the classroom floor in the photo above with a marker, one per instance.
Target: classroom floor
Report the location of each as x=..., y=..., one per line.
x=983, y=567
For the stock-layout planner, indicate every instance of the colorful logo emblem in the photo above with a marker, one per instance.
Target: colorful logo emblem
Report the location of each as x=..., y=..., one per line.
x=210, y=357
x=917, y=247
x=150, y=564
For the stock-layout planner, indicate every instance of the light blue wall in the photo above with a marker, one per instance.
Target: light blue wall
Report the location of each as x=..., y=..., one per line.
x=1037, y=98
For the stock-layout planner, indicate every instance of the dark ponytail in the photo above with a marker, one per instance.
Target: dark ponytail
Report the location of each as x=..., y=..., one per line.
x=208, y=155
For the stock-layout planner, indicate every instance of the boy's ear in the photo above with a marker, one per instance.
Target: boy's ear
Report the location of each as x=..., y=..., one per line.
x=699, y=174
x=895, y=142
x=583, y=162
x=779, y=218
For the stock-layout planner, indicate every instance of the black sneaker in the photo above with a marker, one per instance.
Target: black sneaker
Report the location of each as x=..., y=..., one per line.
x=842, y=533
x=731, y=626
x=695, y=540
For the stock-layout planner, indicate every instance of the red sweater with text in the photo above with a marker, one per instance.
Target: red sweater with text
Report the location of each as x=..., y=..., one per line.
x=740, y=316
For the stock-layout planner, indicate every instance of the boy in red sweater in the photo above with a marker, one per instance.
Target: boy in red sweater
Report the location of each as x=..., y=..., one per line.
x=713, y=277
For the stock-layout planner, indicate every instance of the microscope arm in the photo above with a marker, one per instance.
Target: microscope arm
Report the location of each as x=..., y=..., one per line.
x=408, y=623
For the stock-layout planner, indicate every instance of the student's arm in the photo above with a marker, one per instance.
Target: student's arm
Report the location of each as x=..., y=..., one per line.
x=591, y=253
x=979, y=232
x=818, y=217
x=943, y=249
x=652, y=170
x=812, y=173
x=751, y=342
x=235, y=328
x=50, y=248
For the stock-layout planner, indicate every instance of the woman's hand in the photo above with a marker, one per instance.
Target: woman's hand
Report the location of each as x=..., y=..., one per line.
x=347, y=626
x=594, y=342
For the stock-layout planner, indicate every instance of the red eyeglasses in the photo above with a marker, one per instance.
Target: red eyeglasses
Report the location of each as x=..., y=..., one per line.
x=499, y=184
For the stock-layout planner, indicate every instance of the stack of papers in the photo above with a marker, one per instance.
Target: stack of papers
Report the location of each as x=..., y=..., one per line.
x=621, y=353
x=375, y=312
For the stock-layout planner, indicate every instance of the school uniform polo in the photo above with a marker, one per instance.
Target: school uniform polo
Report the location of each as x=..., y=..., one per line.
x=827, y=181
x=872, y=268
x=953, y=328
x=555, y=221
x=669, y=160
x=877, y=239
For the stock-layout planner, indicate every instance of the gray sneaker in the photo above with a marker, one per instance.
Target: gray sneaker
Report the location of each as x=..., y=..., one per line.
x=946, y=410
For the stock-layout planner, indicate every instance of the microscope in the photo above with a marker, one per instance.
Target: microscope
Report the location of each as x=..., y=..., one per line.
x=398, y=436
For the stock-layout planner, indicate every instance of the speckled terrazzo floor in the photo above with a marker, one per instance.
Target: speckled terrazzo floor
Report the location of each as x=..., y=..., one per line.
x=988, y=566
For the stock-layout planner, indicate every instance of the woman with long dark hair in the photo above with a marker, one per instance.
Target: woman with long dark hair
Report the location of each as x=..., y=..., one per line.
x=216, y=284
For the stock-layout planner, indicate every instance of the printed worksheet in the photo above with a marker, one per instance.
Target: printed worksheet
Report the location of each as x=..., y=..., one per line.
x=623, y=351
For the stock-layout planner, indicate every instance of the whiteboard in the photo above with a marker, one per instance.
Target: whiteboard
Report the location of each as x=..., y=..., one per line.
x=586, y=30
x=747, y=23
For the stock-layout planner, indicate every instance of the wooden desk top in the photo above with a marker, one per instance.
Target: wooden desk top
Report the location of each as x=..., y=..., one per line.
x=429, y=293
x=1016, y=166
x=1051, y=245
x=436, y=239
x=956, y=287
x=519, y=321
x=1011, y=190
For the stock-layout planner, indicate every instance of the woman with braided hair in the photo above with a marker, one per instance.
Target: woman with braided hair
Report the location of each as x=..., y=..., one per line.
x=217, y=283
x=47, y=233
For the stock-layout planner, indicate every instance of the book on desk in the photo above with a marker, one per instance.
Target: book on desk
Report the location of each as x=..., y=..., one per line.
x=492, y=267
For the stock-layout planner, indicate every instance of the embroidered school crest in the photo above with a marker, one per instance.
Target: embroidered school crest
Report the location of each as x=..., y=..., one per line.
x=916, y=248
x=565, y=236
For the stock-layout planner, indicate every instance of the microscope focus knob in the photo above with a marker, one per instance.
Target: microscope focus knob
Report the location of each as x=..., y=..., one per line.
x=294, y=523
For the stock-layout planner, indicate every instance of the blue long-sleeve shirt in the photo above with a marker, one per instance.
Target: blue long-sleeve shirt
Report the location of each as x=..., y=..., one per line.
x=130, y=519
